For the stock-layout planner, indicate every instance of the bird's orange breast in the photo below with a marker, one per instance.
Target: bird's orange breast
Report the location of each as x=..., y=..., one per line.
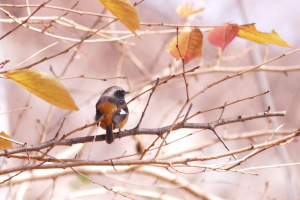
x=105, y=108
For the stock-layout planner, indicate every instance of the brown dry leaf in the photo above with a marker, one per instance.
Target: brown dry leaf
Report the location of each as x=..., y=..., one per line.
x=249, y=32
x=125, y=12
x=4, y=144
x=189, y=43
x=44, y=86
x=184, y=10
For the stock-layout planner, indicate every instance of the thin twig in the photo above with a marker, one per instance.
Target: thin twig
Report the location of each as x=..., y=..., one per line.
x=222, y=111
x=188, y=112
x=270, y=166
x=88, y=77
x=33, y=167
x=97, y=129
x=221, y=139
x=239, y=55
x=120, y=63
x=255, y=152
x=137, y=62
x=21, y=116
x=48, y=58
x=55, y=43
x=222, y=107
x=28, y=9
x=60, y=127
x=59, y=8
x=11, y=140
x=48, y=119
x=110, y=189
x=159, y=54
x=53, y=72
x=110, y=39
x=78, y=47
x=9, y=32
x=3, y=63
x=138, y=125
x=25, y=108
x=62, y=162
x=183, y=68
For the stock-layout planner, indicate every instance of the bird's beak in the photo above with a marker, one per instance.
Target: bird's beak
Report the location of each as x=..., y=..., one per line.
x=126, y=93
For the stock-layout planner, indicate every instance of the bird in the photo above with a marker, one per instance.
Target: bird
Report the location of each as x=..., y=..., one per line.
x=110, y=100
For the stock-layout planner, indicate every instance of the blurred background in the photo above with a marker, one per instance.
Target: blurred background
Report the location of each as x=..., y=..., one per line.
x=141, y=62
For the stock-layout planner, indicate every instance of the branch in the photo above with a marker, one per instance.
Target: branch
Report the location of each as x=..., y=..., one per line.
x=29, y=168
x=138, y=125
x=247, y=135
x=139, y=131
x=238, y=136
x=178, y=182
x=27, y=107
x=107, y=16
x=161, y=163
x=55, y=43
x=48, y=58
x=236, y=69
x=220, y=138
x=9, y=32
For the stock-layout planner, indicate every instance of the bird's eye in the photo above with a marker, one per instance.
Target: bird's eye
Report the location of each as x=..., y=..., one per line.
x=119, y=92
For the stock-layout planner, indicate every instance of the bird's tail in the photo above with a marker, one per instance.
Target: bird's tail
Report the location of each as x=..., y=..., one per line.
x=109, y=134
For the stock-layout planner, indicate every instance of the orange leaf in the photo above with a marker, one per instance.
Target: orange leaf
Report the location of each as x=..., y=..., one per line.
x=125, y=12
x=189, y=43
x=249, y=32
x=4, y=144
x=44, y=86
x=184, y=10
x=221, y=36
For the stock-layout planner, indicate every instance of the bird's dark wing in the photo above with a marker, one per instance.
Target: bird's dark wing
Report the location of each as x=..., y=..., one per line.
x=121, y=115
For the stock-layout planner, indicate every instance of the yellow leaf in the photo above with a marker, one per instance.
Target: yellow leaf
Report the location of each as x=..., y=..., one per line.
x=4, y=144
x=189, y=43
x=125, y=12
x=184, y=10
x=44, y=86
x=249, y=32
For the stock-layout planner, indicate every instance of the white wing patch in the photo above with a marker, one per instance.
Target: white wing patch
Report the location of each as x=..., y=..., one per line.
x=123, y=112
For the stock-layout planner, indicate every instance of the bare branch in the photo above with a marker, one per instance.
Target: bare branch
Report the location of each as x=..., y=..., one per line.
x=220, y=138
x=138, y=125
x=55, y=43
x=25, y=108
x=145, y=131
x=161, y=163
x=29, y=168
x=43, y=4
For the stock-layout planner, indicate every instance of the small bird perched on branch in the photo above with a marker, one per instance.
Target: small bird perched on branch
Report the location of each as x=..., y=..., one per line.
x=112, y=99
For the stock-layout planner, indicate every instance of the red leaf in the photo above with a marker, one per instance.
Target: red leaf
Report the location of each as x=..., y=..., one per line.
x=221, y=36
